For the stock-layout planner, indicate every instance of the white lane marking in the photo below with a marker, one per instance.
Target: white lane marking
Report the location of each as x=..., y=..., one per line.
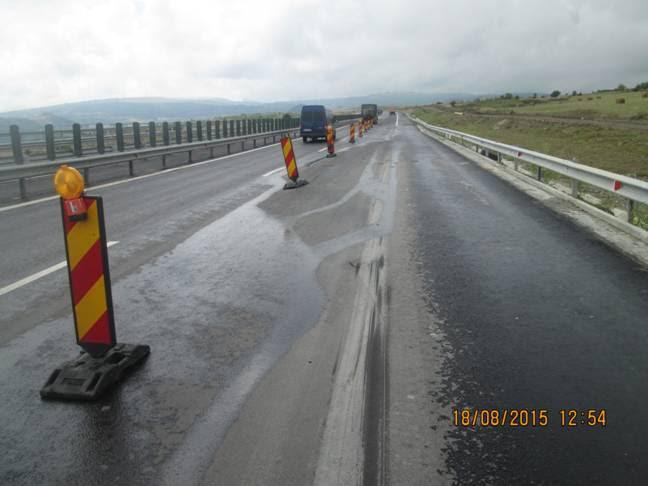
x=272, y=172
x=145, y=176
x=41, y=274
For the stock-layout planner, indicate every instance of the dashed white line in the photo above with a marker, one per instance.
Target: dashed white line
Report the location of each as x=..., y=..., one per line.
x=272, y=172
x=41, y=274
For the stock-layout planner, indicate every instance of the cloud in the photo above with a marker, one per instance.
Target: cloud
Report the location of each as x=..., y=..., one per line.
x=65, y=50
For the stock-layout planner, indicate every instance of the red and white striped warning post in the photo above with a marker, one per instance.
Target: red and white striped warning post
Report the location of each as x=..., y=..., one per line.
x=103, y=361
x=291, y=164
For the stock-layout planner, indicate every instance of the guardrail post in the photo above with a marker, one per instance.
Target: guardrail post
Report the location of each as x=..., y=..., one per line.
x=49, y=142
x=131, y=169
x=630, y=208
x=539, y=173
x=119, y=134
x=574, y=188
x=101, y=143
x=178, y=132
x=217, y=133
x=152, y=134
x=76, y=140
x=209, y=129
x=16, y=145
x=238, y=128
x=189, y=133
x=137, y=136
x=231, y=128
x=199, y=131
x=165, y=133
x=229, y=149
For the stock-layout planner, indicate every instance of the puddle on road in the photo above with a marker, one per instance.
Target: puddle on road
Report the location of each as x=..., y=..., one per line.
x=217, y=311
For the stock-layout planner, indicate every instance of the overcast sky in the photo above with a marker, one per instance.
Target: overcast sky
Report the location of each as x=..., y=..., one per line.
x=55, y=51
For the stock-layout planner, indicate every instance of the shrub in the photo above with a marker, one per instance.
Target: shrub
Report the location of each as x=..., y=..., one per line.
x=453, y=102
x=555, y=94
x=645, y=95
x=620, y=101
x=589, y=98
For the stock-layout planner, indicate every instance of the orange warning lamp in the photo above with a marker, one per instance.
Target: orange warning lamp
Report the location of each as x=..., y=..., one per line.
x=69, y=183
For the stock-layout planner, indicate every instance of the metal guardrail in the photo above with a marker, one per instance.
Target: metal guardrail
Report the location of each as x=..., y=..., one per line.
x=22, y=172
x=633, y=190
x=51, y=144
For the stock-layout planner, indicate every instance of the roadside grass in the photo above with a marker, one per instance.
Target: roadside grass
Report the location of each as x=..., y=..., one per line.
x=622, y=151
x=590, y=106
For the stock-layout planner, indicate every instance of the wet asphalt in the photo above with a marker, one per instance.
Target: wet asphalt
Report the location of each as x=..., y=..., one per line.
x=534, y=314
x=226, y=277
x=200, y=274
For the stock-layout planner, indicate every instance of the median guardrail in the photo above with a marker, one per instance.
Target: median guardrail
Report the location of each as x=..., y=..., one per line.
x=633, y=190
x=23, y=172
x=33, y=146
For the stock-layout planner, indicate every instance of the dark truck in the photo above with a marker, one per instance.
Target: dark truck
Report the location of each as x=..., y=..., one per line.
x=369, y=112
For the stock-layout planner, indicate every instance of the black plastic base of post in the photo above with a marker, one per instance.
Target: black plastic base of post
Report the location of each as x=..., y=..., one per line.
x=87, y=378
x=295, y=184
x=330, y=156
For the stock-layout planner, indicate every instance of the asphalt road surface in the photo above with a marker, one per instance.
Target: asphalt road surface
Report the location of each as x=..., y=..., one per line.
x=326, y=335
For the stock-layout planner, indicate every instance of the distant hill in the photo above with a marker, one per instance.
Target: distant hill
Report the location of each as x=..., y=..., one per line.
x=127, y=110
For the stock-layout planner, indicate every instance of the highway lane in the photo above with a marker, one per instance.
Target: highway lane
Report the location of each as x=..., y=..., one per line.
x=147, y=216
x=201, y=274
x=522, y=310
